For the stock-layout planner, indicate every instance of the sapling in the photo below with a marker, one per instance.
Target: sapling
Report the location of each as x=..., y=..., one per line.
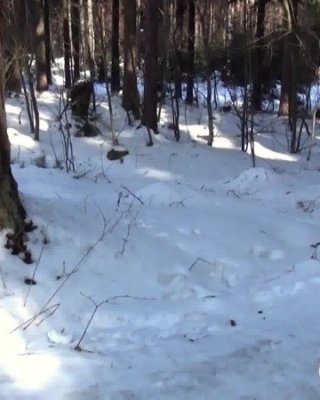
x=96, y=308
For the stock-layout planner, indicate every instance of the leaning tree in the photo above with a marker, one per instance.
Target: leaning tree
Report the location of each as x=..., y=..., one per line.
x=12, y=212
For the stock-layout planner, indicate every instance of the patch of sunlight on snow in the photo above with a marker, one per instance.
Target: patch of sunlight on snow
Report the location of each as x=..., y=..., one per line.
x=19, y=139
x=58, y=78
x=200, y=131
x=13, y=109
x=223, y=143
x=44, y=125
x=29, y=371
x=156, y=174
x=263, y=152
x=32, y=371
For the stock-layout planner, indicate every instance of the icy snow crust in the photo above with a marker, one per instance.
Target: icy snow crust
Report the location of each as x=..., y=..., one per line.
x=213, y=258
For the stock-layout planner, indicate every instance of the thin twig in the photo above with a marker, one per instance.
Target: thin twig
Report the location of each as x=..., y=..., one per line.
x=25, y=325
x=33, y=276
x=75, y=269
x=97, y=306
x=197, y=260
x=315, y=252
x=132, y=194
x=126, y=239
x=53, y=310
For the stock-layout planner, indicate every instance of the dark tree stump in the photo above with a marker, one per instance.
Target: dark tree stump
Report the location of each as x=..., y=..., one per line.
x=80, y=95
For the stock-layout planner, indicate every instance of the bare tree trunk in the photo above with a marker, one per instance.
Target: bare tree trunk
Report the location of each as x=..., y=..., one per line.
x=205, y=21
x=12, y=212
x=13, y=82
x=258, y=56
x=130, y=98
x=294, y=54
x=14, y=45
x=288, y=68
x=151, y=71
x=66, y=45
x=88, y=33
x=180, y=10
x=48, y=40
x=38, y=28
x=285, y=80
x=288, y=101
x=115, y=66
x=190, y=65
x=75, y=31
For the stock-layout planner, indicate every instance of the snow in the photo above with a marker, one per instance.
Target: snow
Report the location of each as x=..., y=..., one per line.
x=202, y=264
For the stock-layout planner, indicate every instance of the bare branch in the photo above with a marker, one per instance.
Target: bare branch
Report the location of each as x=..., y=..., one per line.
x=197, y=260
x=33, y=275
x=97, y=306
x=132, y=194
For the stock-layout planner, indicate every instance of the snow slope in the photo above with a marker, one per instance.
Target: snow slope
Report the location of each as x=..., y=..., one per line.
x=204, y=263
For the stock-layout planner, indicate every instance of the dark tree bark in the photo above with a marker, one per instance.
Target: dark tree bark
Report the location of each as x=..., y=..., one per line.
x=38, y=27
x=180, y=10
x=48, y=39
x=13, y=81
x=190, y=62
x=130, y=98
x=288, y=83
x=80, y=95
x=66, y=44
x=288, y=99
x=14, y=45
x=258, y=56
x=285, y=81
x=75, y=31
x=115, y=66
x=151, y=68
x=12, y=212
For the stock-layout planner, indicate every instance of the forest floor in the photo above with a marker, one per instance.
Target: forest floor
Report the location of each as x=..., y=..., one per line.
x=208, y=267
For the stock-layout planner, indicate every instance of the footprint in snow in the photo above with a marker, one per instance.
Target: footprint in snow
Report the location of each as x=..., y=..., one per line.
x=262, y=252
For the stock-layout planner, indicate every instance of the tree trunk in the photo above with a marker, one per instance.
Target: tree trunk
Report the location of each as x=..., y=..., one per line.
x=88, y=33
x=285, y=80
x=48, y=40
x=75, y=31
x=14, y=45
x=66, y=45
x=288, y=68
x=180, y=9
x=163, y=43
x=258, y=56
x=190, y=62
x=130, y=98
x=12, y=213
x=38, y=26
x=12, y=79
x=151, y=68
x=115, y=66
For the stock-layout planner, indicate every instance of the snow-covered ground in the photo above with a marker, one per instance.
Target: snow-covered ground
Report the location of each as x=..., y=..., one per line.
x=204, y=265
